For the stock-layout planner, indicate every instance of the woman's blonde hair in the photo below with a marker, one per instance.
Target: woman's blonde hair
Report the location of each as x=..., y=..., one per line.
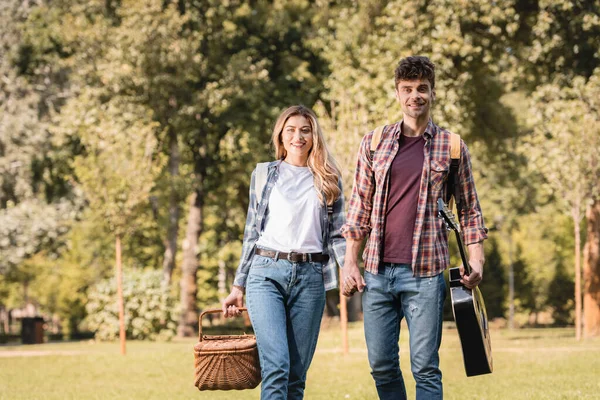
x=320, y=161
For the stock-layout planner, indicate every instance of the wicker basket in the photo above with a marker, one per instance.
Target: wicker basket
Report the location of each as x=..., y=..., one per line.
x=226, y=362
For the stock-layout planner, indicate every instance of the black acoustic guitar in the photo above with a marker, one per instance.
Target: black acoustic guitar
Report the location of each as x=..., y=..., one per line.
x=469, y=309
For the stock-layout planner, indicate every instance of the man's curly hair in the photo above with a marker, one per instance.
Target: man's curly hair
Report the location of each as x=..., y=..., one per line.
x=413, y=68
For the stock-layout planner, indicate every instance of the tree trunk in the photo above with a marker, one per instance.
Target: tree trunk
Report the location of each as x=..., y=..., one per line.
x=120, y=301
x=188, y=321
x=591, y=272
x=577, y=224
x=173, y=224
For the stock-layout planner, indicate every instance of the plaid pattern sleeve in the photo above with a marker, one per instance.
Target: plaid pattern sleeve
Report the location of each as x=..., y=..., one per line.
x=250, y=237
x=368, y=203
x=471, y=220
x=360, y=206
x=336, y=246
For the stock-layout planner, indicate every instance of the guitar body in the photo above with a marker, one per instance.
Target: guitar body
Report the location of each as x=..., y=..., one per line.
x=472, y=325
x=468, y=309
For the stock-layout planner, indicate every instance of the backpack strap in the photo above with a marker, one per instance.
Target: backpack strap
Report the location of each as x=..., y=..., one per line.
x=260, y=180
x=376, y=139
x=453, y=189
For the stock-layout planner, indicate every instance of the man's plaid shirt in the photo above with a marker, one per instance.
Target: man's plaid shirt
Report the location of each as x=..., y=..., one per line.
x=368, y=203
x=333, y=243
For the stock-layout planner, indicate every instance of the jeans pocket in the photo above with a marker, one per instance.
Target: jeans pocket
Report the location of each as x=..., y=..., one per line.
x=260, y=261
x=317, y=267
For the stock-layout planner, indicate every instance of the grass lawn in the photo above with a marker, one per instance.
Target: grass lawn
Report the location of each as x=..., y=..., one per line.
x=528, y=364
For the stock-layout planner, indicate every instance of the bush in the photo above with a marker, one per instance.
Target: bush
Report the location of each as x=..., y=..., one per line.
x=149, y=308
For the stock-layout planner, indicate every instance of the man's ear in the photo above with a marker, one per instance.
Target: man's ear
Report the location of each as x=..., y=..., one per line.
x=433, y=95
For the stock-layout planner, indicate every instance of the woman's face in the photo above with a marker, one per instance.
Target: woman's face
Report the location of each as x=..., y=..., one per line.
x=297, y=137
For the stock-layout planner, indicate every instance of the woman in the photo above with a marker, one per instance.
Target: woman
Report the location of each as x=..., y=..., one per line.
x=291, y=244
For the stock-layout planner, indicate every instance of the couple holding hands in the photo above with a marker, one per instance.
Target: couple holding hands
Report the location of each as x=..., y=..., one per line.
x=297, y=233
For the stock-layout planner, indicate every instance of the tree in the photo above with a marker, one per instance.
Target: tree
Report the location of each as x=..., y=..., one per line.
x=563, y=148
x=363, y=43
x=120, y=143
x=557, y=49
x=209, y=72
x=37, y=202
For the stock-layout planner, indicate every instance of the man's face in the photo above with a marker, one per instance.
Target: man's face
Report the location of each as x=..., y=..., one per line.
x=415, y=98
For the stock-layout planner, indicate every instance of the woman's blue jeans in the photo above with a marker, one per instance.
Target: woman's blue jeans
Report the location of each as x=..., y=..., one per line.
x=285, y=302
x=391, y=295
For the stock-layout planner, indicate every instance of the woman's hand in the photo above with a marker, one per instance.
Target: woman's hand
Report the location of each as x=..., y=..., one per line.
x=232, y=302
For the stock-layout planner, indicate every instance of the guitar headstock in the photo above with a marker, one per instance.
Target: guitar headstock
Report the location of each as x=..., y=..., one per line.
x=447, y=216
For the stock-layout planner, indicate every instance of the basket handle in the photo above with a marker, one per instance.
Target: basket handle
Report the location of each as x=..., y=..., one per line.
x=213, y=311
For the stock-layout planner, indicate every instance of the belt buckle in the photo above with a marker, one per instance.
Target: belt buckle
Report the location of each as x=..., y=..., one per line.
x=293, y=253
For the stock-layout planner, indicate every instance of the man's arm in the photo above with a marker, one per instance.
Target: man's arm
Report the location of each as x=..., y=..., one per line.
x=358, y=220
x=360, y=205
x=476, y=261
x=471, y=220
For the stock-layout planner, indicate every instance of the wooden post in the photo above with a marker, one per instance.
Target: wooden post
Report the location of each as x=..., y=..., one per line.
x=343, y=318
x=511, y=284
x=120, y=294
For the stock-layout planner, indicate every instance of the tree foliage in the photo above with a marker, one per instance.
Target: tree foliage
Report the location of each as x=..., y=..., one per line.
x=100, y=100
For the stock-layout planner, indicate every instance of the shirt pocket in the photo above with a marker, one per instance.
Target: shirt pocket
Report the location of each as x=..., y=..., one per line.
x=379, y=169
x=437, y=176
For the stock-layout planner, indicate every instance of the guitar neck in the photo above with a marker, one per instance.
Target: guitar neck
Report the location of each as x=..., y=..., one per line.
x=463, y=252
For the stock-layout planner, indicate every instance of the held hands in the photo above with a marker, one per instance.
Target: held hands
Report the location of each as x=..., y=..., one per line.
x=353, y=281
x=232, y=302
x=476, y=276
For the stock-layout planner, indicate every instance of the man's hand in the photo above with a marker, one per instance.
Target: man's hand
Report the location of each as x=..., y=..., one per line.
x=476, y=276
x=233, y=302
x=476, y=260
x=353, y=281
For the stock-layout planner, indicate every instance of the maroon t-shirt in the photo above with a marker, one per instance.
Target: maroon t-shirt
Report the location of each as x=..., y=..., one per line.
x=405, y=180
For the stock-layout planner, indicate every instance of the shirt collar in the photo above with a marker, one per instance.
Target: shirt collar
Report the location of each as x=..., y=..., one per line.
x=430, y=130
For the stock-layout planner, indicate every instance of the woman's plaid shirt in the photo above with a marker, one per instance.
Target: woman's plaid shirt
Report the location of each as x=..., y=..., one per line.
x=368, y=203
x=331, y=225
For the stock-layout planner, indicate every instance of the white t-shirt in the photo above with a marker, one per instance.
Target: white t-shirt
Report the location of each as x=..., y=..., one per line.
x=293, y=222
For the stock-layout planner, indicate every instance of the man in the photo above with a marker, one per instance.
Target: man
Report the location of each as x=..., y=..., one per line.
x=394, y=202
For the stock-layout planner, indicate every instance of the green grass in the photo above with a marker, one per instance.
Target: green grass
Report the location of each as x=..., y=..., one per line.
x=528, y=364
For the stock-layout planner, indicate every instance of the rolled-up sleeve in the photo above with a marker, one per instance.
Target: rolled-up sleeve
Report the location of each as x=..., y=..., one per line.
x=471, y=219
x=358, y=220
x=250, y=238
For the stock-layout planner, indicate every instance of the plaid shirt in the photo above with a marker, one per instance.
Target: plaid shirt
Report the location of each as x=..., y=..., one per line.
x=333, y=242
x=368, y=204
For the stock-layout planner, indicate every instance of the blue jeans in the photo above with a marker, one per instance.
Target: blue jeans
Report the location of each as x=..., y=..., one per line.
x=285, y=302
x=391, y=295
